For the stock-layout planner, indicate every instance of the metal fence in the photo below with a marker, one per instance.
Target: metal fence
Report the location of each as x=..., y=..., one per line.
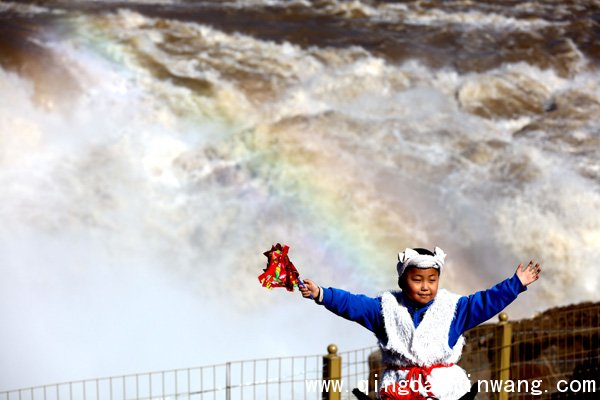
x=356, y=370
x=553, y=356
x=269, y=378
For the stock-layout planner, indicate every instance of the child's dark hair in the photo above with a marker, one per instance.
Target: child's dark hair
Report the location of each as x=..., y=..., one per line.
x=423, y=251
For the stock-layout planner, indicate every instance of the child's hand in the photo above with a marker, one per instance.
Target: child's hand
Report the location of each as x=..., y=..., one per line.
x=529, y=274
x=310, y=288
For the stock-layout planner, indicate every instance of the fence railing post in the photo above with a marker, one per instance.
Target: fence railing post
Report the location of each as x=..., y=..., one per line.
x=376, y=369
x=332, y=372
x=502, y=353
x=228, y=381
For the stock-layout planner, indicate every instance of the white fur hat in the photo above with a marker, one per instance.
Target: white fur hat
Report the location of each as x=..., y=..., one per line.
x=411, y=258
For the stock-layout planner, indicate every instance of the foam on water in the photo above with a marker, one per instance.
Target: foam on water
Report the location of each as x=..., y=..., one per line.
x=10, y=6
x=353, y=89
x=474, y=20
x=413, y=14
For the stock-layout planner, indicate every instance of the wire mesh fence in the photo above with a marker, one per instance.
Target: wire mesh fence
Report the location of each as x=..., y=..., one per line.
x=270, y=378
x=561, y=351
x=552, y=356
x=555, y=356
x=356, y=370
x=255, y=379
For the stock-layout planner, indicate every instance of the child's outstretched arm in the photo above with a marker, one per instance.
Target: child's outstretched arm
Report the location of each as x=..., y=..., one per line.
x=355, y=307
x=478, y=307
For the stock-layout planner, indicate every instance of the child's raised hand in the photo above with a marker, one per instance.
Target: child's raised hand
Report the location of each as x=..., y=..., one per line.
x=530, y=273
x=310, y=288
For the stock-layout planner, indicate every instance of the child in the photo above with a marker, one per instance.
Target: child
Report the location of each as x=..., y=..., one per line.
x=420, y=328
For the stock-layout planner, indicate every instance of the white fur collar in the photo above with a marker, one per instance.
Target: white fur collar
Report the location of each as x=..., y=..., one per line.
x=424, y=346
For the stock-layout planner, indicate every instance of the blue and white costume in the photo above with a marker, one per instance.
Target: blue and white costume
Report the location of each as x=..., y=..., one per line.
x=411, y=334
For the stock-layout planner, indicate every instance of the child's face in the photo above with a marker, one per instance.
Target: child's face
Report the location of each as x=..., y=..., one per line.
x=422, y=284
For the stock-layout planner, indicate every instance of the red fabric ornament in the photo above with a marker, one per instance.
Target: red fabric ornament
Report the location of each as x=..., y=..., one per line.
x=280, y=271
